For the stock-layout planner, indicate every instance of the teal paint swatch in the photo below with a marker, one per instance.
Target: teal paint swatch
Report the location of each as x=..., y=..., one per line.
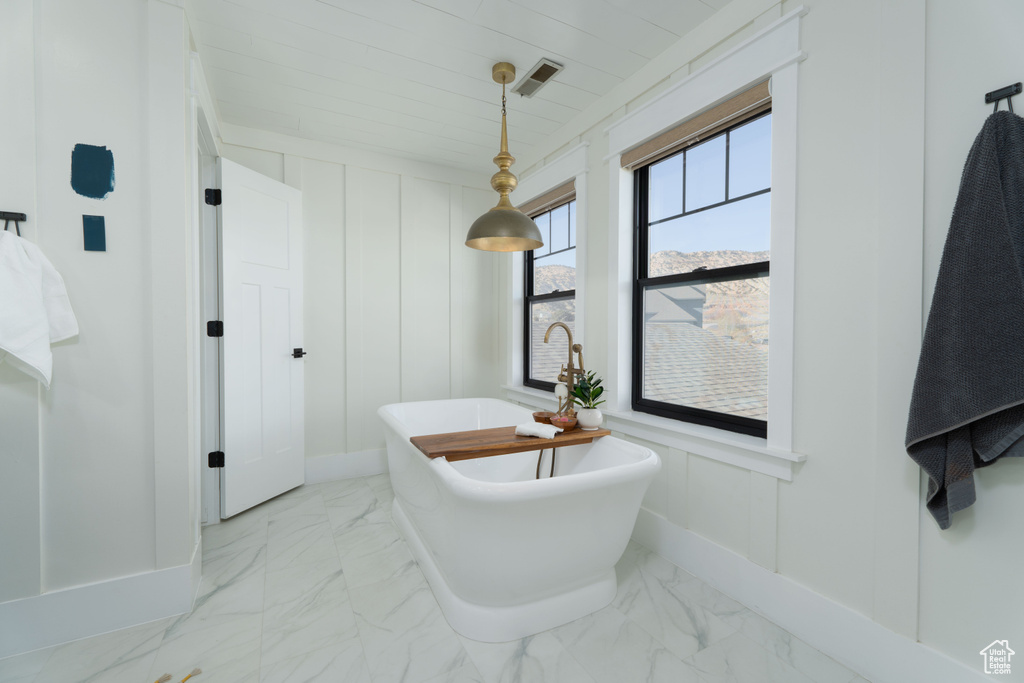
x=92, y=171
x=94, y=231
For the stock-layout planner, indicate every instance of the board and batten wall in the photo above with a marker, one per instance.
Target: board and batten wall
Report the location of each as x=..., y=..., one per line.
x=844, y=555
x=97, y=473
x=397, y=308
x=971, y=592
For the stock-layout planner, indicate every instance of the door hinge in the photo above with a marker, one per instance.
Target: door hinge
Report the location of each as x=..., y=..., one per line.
x=213, y=196
x=215, y=328
x=216, y=459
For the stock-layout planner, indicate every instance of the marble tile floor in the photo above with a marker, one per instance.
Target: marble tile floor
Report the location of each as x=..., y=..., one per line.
x=317, y=586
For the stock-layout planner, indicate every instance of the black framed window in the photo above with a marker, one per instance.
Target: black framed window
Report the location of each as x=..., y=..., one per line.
x=550, y=295
x=701, y=267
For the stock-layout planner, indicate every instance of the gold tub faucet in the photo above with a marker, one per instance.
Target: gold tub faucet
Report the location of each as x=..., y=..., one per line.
x=569, y=370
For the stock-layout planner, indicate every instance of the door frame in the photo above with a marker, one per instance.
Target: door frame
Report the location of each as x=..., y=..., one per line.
x=209, y=277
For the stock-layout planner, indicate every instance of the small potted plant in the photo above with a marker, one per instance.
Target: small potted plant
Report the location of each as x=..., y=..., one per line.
x=588, y=394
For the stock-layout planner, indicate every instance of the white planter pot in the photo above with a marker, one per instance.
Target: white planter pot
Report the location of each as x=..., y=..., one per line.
x=589, y=419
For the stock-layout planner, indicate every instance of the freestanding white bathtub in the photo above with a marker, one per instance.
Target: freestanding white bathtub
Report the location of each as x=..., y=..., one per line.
x=508, y=555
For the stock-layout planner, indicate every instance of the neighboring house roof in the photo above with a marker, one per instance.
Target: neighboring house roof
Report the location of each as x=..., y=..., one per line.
x=547, y=359
x=685, y=305
x=688, y=365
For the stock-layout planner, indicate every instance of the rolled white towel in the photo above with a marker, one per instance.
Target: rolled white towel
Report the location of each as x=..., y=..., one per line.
x=537, y=429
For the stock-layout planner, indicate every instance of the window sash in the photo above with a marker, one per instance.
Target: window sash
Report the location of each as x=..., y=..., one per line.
x=555, y=199
x=734, y=423
x=641, y=283
x=528, y=335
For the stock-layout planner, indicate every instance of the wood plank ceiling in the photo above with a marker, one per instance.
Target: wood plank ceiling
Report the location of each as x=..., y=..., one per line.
x=412, y=78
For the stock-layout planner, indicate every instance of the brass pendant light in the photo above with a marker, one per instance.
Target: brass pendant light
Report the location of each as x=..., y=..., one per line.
x=504, y=228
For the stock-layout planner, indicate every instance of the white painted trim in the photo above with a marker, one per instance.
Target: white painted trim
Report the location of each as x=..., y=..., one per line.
x=456, y=293
x=560, y=170
x=620, y=286
x=325, y=151
x=860, y=644
x=736, y=449
x=771, y=49
x=516, y=292
x=84, y=611
x=582, y=253
x=201, y=91
x=174, y=395
x=209, y=235
x=196, y=567
x=774, y=52
x=732, y=18
x=782, y=295
x=346, y=465
x=902, y=67
x=534, y=398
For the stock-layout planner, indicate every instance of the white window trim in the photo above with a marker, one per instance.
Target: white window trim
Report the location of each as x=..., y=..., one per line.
x=569, y=166
x=772, y=52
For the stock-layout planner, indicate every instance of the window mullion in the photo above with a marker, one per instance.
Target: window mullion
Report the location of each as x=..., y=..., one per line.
x=727, y=142
x=745, y=271
x=552, y=296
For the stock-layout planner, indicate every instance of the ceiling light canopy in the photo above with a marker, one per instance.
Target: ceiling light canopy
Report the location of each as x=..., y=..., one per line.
x=504, y=228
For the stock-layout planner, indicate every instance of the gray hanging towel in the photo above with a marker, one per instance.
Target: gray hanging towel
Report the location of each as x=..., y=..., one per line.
x=967, y=408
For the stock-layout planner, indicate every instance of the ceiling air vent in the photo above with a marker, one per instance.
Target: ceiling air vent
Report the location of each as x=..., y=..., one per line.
x=536, y=77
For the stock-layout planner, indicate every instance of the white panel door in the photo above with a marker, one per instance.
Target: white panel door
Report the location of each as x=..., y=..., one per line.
x=262, y=382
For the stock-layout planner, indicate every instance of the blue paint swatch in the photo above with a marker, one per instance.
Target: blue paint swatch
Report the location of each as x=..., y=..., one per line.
x=95, y=232
x=92, y=171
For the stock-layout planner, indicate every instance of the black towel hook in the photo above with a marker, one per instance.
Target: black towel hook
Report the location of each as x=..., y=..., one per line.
x=1006, y=93
x=8, y=216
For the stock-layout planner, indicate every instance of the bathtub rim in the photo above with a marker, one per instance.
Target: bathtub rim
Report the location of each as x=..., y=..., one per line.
x=532, y=489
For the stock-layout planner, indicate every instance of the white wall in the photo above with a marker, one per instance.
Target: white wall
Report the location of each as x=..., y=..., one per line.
x=397, y=307
x=95, y=471
x=19, y=402
x=890, y=99
x=970, y=581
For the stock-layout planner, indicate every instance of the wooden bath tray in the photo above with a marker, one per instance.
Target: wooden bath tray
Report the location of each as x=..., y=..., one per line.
x=481, y=443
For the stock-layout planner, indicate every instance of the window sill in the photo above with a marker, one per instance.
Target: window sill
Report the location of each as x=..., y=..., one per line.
x=535, y=398
x=740, y=450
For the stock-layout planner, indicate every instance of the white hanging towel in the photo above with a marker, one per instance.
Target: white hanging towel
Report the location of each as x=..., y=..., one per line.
x=34, y=307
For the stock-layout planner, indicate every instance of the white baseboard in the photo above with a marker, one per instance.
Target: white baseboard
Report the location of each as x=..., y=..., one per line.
x=196, y=573
x=346, y=465
x=870, y=649
x=83, y=611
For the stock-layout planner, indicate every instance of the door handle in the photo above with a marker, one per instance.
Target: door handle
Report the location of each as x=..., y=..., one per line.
x=298, y=353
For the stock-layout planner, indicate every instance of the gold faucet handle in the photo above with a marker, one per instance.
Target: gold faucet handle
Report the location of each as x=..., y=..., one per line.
x=562, y=377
